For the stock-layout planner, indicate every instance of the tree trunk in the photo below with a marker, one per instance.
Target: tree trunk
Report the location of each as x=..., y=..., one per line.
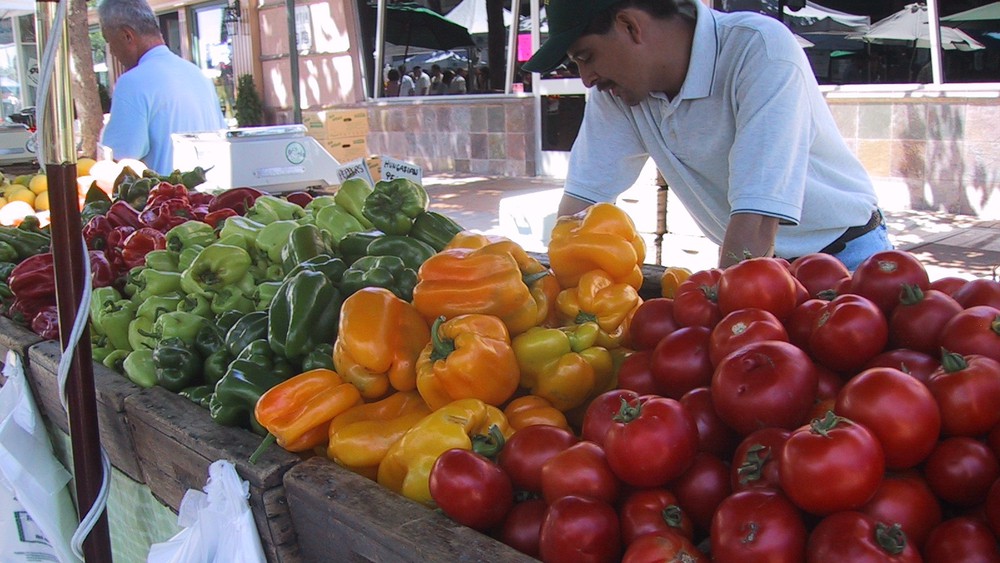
x=86, y=99
x=496, y=44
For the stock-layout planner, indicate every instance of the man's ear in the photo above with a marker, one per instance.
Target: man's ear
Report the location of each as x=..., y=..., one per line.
x=630, y=24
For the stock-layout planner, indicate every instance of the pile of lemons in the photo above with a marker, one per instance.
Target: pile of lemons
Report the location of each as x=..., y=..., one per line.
x=28, y=194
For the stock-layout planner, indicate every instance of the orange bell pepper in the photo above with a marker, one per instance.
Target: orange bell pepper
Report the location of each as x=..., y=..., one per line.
x=469, y=357
x=529, y=410
x=600, y=237
x=490, y=276
x=671, y=279
x=599, y=298
x=361, y=435
x=298, y=411
x=379, y=339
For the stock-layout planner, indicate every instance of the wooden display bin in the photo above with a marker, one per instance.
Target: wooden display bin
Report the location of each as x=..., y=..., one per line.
x=111, y=390
x=176, y=441
x=342, y=516
x=17, y=338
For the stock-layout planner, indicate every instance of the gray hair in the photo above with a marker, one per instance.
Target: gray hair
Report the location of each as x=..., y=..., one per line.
x=136, y=14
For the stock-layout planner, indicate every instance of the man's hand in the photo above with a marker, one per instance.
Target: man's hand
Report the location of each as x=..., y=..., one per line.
x=748, y=235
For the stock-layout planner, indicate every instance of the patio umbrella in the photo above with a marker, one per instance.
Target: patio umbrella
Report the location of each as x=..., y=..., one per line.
x=982, y=18
x=411, y=25
x=814, y=18
x=909, y=26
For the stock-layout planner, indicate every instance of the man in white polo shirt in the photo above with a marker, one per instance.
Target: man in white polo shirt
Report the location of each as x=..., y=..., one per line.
x=727, y=107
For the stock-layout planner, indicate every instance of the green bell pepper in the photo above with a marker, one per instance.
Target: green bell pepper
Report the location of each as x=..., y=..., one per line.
x=215, y=365
x=355, y=245
x=7, y=252
x=176, y=365
x=187, y=256
x=116, y=360
x=231, y=299
x=248, y=377
x=190, y=233
x=319, y=202
x=99, y=346
x=163, y=260
x=272, y=238
x=303, y=314
x=392, y=205
x=209, y=339
x=252, y=326
x=25, y=243
x=33, y=224
x=330, y=266
x=113, y=320
x=264, y=294
x=305, y=242
x=320, y=357
x=244, y=228
x=267, y=209
x=337, y=221
x=6, y=269
x=411, y=251
x=150, y=282
x=196, y=304
x=198, y=394
x=351, y=195
x=141, y=335
x=435, y=229
x=178, y=324
x=99, y=297
x=215, y=267
x=139, y=368
x=226, y=320
x=157, y=305
x=380, y=271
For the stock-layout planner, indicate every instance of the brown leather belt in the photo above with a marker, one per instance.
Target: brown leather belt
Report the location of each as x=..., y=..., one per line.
x=852, y=233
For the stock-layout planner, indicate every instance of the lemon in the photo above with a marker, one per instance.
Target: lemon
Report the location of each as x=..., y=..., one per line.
x=84, y=165
x=24, y=195
x=39, y=183
x=42, y=201
x=23, y=179
x=3, y=201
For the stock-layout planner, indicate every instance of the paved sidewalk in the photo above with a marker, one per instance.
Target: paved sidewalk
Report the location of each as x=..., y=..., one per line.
x=947, y=244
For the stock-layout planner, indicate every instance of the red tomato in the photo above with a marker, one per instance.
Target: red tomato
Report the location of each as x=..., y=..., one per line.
x=881, y=276
x=701, y=488
x=652, y=320
x=978, y=292
x=898, y=409
x=528, y=449
x=741, y=327
x=961, y=470
x=650, y=510
x=831, y=464
x=918, y=319
x=918, y=365
x=636, y=373
x=680, y=361
x=802, y=320
x=905, y=499
x=967, y=390
x=714, y=435
x=601, y=412
x=973, y=331
x=819, y=272
x=663, y=545
x=769, y=383
x=993, y=508
x=581, y=469
x=859, y=538
x=849, y=331
x=755, y=462
x=763, y=283
x=579, y=529
x=948, y=284
x=961, y=539
x=652, y=441
x=696, y=300
x=758, y=525
x=523, y=526
x=471, y=489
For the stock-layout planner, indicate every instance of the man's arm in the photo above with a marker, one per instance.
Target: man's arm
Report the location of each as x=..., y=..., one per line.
x=748, y=233
x=570, y=205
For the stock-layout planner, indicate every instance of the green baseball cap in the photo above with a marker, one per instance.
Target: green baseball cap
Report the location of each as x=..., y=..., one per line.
x=567, y=20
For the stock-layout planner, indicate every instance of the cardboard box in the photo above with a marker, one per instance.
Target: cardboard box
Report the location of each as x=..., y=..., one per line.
x=346, y=150
x=346, y=123
x=315, y=122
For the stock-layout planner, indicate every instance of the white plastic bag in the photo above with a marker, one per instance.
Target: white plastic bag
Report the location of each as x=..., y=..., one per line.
x=218, y=525
x=38, y=517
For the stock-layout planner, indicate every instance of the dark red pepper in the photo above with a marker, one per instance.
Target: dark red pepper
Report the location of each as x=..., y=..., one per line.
x=167, y=214
x=102, y=274
x=140, y=243
x=34, y=278
x=200, y=212
x=216, y=217
x=46, y=323
x=23, y=311
x=237, y=199
x=301, y=199
x=166, y=191
x=122, y=214
x=96, y=232
x=116, y=242
x=200, y=198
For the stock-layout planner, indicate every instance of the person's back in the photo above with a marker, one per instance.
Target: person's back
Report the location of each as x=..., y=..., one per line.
x=406, y=85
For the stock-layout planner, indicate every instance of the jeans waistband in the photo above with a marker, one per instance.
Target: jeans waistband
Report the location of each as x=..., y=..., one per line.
x=852, y=233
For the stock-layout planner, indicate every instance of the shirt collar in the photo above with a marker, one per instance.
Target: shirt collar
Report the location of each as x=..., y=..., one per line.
x=153, y=52
x=704, y=55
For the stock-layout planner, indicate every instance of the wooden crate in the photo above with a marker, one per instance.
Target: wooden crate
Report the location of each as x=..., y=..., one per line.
x=17, y=338
x=111, y=389
x=341, y=516
x=176, y=441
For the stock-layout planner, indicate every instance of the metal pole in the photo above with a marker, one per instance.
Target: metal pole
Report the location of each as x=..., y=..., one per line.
x=934, y=31
x=293, y=61
x=67, y=250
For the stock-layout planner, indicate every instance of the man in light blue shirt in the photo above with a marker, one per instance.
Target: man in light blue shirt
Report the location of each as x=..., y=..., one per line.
x=158, y=95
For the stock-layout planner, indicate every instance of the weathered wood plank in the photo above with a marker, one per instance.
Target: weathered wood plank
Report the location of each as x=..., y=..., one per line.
x=17, y=338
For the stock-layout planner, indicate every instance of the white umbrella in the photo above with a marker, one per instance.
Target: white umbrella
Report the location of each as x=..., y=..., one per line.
x=982, y=13
x=909, y=26
x=814, y=18
x=803, y=42
x=471, y=14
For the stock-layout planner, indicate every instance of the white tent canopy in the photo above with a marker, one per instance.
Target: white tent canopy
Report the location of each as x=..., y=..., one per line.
x=982, y=13
x=471, y=14
x=16, y=7
x=910, y=26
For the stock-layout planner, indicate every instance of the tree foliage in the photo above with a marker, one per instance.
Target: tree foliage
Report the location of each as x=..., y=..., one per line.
x=249, y=107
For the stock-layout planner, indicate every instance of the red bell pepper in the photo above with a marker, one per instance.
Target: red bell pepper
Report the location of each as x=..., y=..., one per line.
x=215, y=218
x=200, y=198
x=35, y=277
x=299, y=198
x=23, y=311
x=237, y=199
x=165, y=191
x=96, y=232
x=200, y=212
x=46, y=323
x=102, y=274
x=167, y=214
x=140, y=243
x=121, y=214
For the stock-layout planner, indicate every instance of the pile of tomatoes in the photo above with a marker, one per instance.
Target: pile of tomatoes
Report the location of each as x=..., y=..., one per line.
x=770, y=412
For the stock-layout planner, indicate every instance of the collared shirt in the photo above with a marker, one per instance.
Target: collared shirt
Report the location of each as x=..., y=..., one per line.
x=406, y=85
x=749, y=131
x=162, y=95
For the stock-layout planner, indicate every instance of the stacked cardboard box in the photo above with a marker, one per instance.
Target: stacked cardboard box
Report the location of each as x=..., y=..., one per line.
x=341, y=131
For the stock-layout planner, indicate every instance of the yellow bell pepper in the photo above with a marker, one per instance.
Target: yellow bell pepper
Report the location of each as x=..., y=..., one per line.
x=530, y=410
x=379, y=339
x=360, y=436
x=598, y=298
x=489, y=276
x=406, y=467
x=563, y=366
x=601, y=237
x=469, y=357
x=671, y=279
x=298, y=411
